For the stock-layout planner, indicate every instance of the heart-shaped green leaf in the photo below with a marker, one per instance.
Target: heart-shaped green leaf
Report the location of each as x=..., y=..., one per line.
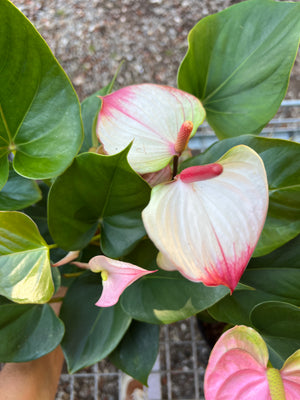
x=238, y=64
x=95, y=189
x=137, y=352
x=28, y=332
x=39, y=109
x=236, y=309
x=18, y=193
x=279, y=324
x=278, y=273
x=91, y=332
x=281, y=160
x=25, y=272
x=166, y=297
x=38, y=213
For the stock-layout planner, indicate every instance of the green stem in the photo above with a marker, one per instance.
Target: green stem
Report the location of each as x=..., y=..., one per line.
x=52, y=246
x=72, y=274
x=96, y=237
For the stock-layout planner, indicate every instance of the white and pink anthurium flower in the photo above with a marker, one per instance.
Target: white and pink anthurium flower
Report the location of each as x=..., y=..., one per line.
x=238, y=370
x=206, y=223
x=116, y=277
x=154, y=118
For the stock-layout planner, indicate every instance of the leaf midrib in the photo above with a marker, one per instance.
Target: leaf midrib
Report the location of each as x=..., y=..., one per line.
x=215, y=91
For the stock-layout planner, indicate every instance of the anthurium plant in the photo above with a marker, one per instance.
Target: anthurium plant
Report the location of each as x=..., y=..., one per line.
x=105, y=198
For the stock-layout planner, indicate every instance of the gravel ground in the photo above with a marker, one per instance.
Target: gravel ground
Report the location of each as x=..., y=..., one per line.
x=90, y=38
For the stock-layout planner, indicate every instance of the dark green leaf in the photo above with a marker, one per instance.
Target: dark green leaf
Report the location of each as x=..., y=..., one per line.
x=25, y=272
x=279, y=324
x=238, y=64
x=18, y=193
x=166, y=297
x=38, y=213
x=282, y=163
x=28, y=332
x=144, y=255
x=92, y=333
x=278, y=273
x=39, y=109
x=95, y=189
x=137, y=352
x=4, y=165
x=236, y=309
x=89, y=111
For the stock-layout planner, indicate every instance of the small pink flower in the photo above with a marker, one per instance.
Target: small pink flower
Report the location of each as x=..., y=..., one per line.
x=71, y=256
x=116, y=277
x=206, y=223
x=237, y=370
x=157, y=120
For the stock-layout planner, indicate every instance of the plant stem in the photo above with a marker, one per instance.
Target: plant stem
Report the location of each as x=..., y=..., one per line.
x=56, y=299
x=52, y=246
x=72, y=274
x=175, y=166
x=96, y=237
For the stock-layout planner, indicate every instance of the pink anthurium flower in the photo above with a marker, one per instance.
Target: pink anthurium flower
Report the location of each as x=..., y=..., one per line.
x=237, y=370
x=158, y=120
x=206, y=223
x=116, y=277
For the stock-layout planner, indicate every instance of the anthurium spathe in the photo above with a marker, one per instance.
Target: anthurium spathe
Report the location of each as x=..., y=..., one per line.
x=206, y=222
x=238, y=370
x=116, y=277
x=158, y=120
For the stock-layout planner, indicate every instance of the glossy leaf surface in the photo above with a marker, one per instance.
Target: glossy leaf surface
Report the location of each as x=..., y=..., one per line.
x=278, y=273
x=18, y=193
x=282, y=163
x=91, y=332
x=166, y=297
x=137, y=352
x=98, y=188
x=39, y=109
x=238, y=64
x=279, y=324
x=25, y=272
x=28, y=332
